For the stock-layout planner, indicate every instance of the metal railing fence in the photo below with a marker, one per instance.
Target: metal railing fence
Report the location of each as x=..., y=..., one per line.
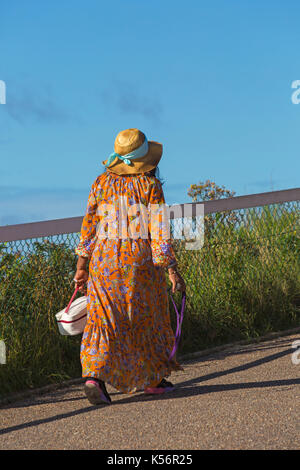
x=251, y=245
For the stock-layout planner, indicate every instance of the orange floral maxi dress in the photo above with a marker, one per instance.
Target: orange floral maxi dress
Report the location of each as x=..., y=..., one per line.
x=128, y=336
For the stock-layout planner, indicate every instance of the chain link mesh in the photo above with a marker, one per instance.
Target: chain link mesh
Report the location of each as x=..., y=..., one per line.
x=243, y=282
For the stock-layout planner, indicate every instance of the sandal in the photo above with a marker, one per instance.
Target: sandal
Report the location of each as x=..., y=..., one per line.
x=96, y=392
x=163, y=387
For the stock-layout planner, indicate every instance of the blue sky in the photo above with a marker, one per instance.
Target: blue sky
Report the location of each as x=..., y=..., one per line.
x=210, y=79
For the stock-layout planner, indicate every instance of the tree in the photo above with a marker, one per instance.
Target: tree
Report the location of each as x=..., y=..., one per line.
x=210, y=191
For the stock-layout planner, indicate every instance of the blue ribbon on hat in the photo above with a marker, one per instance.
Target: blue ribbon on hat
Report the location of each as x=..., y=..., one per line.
x=137, y=153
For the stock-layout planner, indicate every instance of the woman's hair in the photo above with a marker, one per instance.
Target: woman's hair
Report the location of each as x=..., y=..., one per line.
x=155, y=172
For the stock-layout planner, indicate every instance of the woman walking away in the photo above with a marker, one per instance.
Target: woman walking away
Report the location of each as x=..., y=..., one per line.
x=128, y=337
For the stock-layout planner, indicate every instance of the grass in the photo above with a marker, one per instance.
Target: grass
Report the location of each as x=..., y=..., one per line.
x=32, y=290
x=243, y=283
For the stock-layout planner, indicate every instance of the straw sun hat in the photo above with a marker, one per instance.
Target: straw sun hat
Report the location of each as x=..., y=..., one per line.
x=133, y=153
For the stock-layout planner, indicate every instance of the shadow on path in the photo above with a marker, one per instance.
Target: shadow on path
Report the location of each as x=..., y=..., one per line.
x=186, y=389
x=242, y=349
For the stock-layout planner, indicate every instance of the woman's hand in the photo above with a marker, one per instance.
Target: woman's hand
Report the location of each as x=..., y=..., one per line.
x=81, y=278
x=82, y=274
x=176, y=281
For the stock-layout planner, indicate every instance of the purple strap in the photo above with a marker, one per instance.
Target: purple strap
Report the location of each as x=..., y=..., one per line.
x=179, y=323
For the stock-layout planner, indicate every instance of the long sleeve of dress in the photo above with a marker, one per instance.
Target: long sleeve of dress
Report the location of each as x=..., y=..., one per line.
x=161, y=246
x=88, y=234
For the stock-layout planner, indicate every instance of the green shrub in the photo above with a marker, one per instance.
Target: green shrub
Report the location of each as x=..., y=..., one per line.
x=243, y=283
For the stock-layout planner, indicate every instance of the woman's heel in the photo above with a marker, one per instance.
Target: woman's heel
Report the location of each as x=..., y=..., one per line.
x=96, y=392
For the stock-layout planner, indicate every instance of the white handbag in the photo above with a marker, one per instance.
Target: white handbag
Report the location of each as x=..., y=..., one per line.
x=71, y=320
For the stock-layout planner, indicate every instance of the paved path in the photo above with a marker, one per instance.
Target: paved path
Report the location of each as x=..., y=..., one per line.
x=246, y=397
